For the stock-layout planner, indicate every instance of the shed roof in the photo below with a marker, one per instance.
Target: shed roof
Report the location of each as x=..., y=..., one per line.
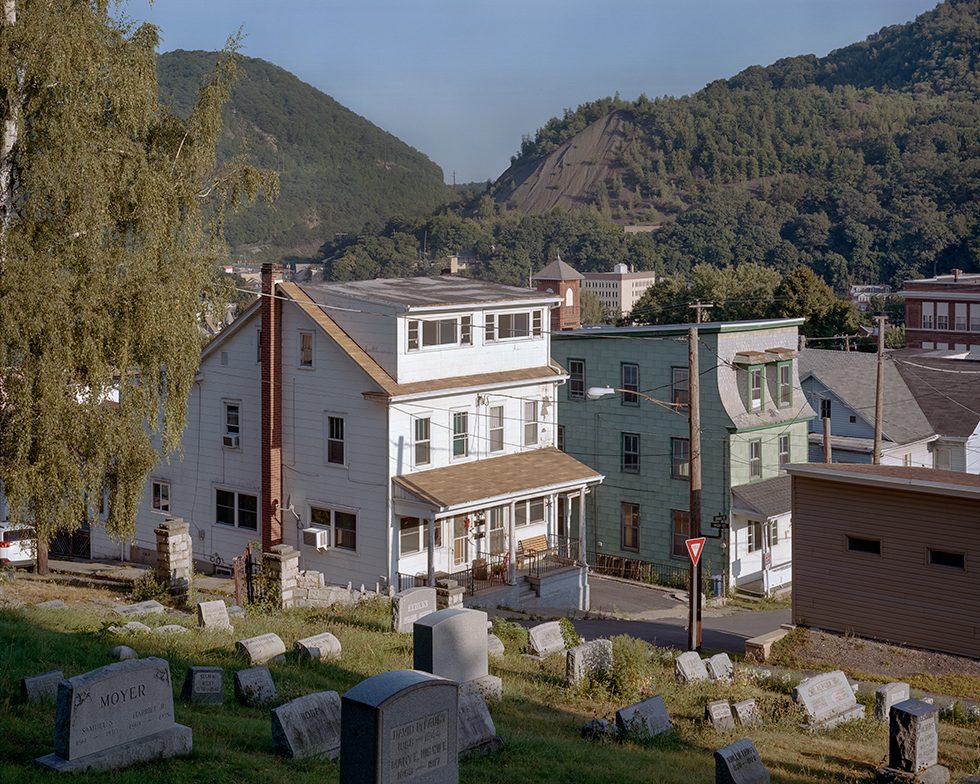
x=921, y=480
x=442, y=291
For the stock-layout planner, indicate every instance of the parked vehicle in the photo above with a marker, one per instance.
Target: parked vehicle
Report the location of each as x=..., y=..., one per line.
x=18, y=545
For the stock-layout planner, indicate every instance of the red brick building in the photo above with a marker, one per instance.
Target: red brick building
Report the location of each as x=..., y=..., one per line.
x=943, y=312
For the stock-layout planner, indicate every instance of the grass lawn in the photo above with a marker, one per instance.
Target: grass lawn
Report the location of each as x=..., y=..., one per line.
x=538, y=719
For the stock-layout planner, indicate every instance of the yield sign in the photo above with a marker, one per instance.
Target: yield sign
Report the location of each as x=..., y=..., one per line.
x=694, y=548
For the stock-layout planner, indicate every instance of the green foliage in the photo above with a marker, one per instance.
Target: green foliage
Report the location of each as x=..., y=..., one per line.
x=592, y=310
x=568, y=633
x=514, y=636
x=631, y=667
x=148, y=586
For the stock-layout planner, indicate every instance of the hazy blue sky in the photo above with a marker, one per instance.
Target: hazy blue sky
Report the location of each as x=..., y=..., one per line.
x=463, y=80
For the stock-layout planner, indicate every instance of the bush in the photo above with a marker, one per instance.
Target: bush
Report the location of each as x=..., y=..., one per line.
x=514, y=636
x=568, y=633
x=148, y=587
x=631, y=666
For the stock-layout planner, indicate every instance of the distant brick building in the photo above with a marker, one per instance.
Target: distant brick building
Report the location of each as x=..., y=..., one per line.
x=943, y=312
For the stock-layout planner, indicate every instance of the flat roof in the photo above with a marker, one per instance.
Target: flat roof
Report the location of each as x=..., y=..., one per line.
x=442, y=291
x=912, y=479
x=678, y=329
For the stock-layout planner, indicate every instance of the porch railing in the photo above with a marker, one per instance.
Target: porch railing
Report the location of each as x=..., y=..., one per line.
x=486, y=572
x=668, y=575
x=562, y=551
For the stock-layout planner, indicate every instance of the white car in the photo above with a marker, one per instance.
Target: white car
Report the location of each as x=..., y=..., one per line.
x=18, y=545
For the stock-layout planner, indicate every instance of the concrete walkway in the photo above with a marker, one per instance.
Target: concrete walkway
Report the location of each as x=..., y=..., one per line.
x=126, y=572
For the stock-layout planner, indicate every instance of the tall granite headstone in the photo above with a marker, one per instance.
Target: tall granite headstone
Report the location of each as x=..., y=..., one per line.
x=739, y=763
x=116, y=716
x=308, y=726
x=913, y=745
x=409, y=606
x=828, y=700
x=452, y=643
x=400, y=726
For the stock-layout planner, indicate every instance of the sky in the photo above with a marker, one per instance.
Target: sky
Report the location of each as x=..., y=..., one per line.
x=464, y=80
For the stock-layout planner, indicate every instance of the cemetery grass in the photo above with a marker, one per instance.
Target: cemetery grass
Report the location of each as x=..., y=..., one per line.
x=538, y=719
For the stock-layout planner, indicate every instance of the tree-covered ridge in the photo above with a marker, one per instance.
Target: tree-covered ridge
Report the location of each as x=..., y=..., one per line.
x=337, y=170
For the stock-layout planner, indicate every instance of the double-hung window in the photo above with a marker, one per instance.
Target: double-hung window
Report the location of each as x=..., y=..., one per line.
x=680, y=449
x=630, y=382
x=631, y=526
x=576, y=379
x=461, y=434
x=757, y=381
x=928, y=315
x=422, y=440
x=336, y=440
x=560, y=438
x=530, y=423
x=680, y=531
x=233, y=427
x=439, y=332
x=161, y=496
x=631, y=453
x=680, y=389
x=413, y=535
x=238, y=510
x=510, y=326
x=942, y=315
x=495, y=428
x=342, y=523
x=755, y=458
x=536, y=323
x=784, y=449
x=785, y=379
x=306, y=349
x=529, y=512
x=826, y=408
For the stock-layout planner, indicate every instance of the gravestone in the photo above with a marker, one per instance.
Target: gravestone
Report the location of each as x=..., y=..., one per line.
x=213, y=615
x=149, y=607
x=720, y=667
x=51, y=604
x=171, y=628
x=475, y=726
x=259, y=650
x=913, y=745
x=546, y=638
x=308, y=726
x=131, y=627
x=888, y=695
x=41, y=688
x=319, y=647
x=689, y=667
x=410, y=606
x=739, y=763
x=204, y=686
x=123, y=653
x=400, y=726
x=254, y=686
x=719, y=713
x=452, y=643
x=116, y=716
x=495, y=646
x=747, y=713
x=644, y=719
x=828, y=700
x=588, y=660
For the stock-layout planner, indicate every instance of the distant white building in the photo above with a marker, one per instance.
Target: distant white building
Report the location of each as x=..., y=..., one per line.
x=861, y=295
x=620, y=289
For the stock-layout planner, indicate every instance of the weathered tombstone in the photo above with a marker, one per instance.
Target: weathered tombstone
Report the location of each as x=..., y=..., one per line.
x=254, y=686
x=546, y=638
x=41, y=688
x=888, y=695
x=116, y=716
x=720, y=667
x=495, y=646
x=409, y=606
x=213, y=615
x=171, y=628
x=204, y=686
x=51, y=604
x=259, y=650
x=597, y=729
x=319, y=647
x=739, y=763
x=400, y=726
x=308, y=726
x=719, y=713
x=149, y=607
x=588, y=660
x=237, y=611
x=828, y=700
x=452, y=643
x=134, y=626
x=475, y=727
x=123, y=653
x=689, y=667
x=644, y=719
x=747, y=713
x=913, y=745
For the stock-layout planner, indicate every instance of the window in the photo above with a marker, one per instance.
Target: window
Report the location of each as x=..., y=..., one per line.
x=496, y=428
x=436, y=332
x=630, y=378
x=941, y=458
x=680, y=526
x=907, y=459
x=238, y=510
x=631, y=526
x=232, y=425
x=344, y=525
x=423, y=440
x=756, y=382
x=413, y=536
x=943, y=558
x=335, y=440
x=536, y=323
x=576, y=379
x=508, y=326
x=755, y=458
x=680, y=389
x=784, y=449
x=974, y=318
x=680, y=450
x=825, y=408
x=529, y=512
x=772, y=533
x=785, y=376
x=857, y=544
x=466, y=331
x=461, y=438
x=490, y=329
x=852, y=419
x=413, y=335
x=530, y=423
x=754, y=536
x=959, y=316
x=560, y=438
x=306, y=349
x=631, y=453
x=161, y=496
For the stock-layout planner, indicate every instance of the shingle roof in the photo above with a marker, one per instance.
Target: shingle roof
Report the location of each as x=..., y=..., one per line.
x=559, y=270
x=947, y=390
x=496, y=477
x=769, y=498
x=851, y=376
x=407, y=293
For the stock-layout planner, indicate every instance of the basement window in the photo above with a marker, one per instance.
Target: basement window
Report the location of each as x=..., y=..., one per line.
x=857, y=544
x=944, y=558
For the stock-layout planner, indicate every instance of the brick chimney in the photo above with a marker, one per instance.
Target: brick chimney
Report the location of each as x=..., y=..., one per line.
x=271, y=371
x=956, y=273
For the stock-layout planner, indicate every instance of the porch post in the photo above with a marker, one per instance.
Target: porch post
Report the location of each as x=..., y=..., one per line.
x=432, y=551
x=582, y=547
x=568, y=518
x=512, y=570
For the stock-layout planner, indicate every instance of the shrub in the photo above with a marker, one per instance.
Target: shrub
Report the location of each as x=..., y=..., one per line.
x=514, y=636
x=148, y=587
x=631, y=666
x=568, y=633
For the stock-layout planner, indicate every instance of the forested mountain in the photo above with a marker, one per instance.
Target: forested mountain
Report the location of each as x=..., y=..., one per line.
x=337, y=171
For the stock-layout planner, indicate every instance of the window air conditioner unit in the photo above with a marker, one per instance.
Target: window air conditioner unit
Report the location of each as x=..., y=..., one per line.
x=231, y=441
x=317, y=537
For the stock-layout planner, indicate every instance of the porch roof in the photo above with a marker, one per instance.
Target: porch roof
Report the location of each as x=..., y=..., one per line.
x=498, y=477
x=768, y=498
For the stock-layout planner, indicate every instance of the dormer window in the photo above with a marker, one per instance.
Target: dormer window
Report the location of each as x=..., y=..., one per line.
x=515, y=325
x=757, y=380
x=429, y=333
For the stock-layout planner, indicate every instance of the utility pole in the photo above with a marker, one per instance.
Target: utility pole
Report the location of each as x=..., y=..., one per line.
x=826, y=441
x=698, y=306
x=694, y=458
x=879, y=388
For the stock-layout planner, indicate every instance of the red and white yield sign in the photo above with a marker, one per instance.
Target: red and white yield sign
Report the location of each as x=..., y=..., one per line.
x=694, y=548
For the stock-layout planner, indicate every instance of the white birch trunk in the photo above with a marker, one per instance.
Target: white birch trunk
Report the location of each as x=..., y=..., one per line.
x=8, y=143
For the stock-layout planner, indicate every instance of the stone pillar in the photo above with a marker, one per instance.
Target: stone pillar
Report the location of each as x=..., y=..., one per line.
x=280, y=571
x=175, y=557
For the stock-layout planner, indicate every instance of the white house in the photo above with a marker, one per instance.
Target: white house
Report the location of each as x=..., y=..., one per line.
x=346, y=419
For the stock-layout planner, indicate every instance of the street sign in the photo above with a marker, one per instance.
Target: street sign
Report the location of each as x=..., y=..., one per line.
x=694, y=548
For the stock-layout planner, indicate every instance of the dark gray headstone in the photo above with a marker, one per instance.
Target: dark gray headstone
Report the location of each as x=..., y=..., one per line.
x=828, y=700
x=320, y=647
x=254, y=686
x=719, y=713
x=204, y=686
x=260, y=649
x=213, y=615
x=588, y=660
x=410, y=606
x=475, y=726
x=913, y=736
x=739, y=763
x=546, y=638
x=888, y=695
x=747, y=713
x=41, y=688
x=644, y=719
x=689, y=667
x=400, y=726
x=452, y=643
x=308, y=726
x=116, y=716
